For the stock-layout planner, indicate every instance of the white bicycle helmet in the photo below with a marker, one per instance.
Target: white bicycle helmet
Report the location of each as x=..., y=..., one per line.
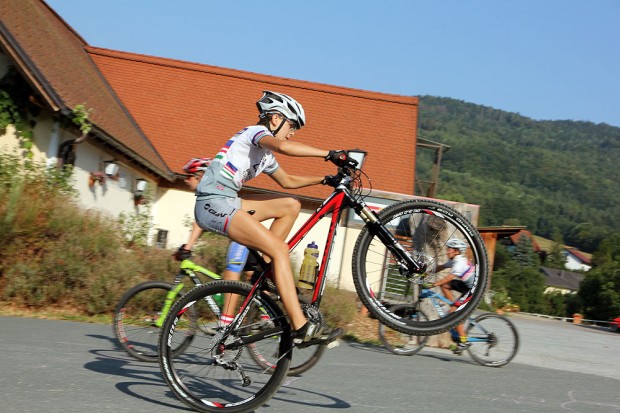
x=456, y=244
x=284, y=104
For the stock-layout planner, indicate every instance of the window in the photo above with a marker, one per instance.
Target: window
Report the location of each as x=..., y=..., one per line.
x=66, y=153
x=162, y=238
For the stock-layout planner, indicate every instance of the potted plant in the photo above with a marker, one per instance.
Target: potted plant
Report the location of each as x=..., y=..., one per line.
x=96, y=177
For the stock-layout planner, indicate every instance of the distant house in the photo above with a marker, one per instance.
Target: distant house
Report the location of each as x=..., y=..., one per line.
x=577, y=260
x=563, y=281
x=574, y=259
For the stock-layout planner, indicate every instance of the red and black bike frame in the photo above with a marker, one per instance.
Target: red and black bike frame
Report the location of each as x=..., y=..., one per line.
x=335, y=204
x=340, y=200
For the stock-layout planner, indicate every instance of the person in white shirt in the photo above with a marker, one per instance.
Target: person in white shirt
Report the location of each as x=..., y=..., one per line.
x=220, y=209
x=460, y=278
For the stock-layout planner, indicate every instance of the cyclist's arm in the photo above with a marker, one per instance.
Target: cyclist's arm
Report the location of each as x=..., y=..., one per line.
x=444, y=280
x=291, y=148
x=294, y=181
x=193, y=237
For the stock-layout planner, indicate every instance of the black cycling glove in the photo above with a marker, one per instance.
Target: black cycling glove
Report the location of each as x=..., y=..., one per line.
x=341, y=158
x=331, y=180
x=182, y=254
x=336, y=157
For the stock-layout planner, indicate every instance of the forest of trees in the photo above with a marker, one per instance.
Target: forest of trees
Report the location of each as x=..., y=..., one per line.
x=557, y=178
x=551, y=176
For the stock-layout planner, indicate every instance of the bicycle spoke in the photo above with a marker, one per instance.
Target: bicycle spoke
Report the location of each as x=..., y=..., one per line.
x=493, y=340
x=403, y=344
x=135, y=317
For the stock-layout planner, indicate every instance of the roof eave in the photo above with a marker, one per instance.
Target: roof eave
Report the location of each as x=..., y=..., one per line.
x=29, y=70
x=101, y=134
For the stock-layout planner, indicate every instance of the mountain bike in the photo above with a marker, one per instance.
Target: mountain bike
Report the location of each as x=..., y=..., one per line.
x=492, y=339
x=141, y=311
x=393, y=250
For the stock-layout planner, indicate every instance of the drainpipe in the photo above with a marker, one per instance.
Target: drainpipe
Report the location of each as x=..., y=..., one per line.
x=52, y=149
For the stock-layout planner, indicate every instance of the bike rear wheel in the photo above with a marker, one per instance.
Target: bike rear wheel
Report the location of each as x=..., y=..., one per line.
x=134, y=320
x=422, y=228
x=211, y=377
x=493, y=340
x=302, y=358
x=399, y=343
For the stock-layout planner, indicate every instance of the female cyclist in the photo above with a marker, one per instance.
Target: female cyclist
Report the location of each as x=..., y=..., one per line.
x=220, y=209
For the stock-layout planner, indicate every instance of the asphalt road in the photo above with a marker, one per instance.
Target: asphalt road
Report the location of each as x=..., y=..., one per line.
x=60, y=366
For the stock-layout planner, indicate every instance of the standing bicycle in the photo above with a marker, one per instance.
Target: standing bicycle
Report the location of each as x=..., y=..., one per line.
x=491, y=339
x=391, y=254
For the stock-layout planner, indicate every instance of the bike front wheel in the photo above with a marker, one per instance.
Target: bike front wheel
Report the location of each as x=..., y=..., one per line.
x=214, y=374
x=492, y=340
x=135, y=316
x=421, y=228
x=403, y=344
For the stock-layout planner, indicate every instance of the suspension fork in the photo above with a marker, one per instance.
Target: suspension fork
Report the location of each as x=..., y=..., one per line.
x=376, y=227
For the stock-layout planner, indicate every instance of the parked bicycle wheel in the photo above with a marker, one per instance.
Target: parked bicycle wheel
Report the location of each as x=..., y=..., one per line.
x=302, y=358
x=492, y=340
x=422, y=228
x=134, y=320
x=399, y=343
x=214, y=374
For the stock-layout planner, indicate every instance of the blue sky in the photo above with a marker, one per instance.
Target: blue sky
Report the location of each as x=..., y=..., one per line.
x=545, y=59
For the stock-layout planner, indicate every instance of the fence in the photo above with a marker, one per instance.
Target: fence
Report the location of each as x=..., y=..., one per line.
x=578, y=318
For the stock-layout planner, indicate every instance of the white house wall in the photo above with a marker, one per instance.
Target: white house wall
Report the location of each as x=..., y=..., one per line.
x=175, y=209
x=114, y=197
x=574, y=264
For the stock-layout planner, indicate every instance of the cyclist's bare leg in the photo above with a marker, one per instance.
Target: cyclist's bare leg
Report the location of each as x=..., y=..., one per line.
x=246, y=230
x=283, y=209
x=447, y=292
x=230, y=300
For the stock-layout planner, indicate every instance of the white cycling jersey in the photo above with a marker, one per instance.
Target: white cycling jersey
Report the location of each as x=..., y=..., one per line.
x=462, y=268
x=240, y=160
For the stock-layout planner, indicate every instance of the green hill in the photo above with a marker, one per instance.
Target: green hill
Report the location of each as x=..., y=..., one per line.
x=547, y=175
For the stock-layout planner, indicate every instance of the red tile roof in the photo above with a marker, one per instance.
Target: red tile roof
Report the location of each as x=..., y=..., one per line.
x=163, y=111
x=188, y=109
x=515, y=238
x=52, y=56
x=580, y=255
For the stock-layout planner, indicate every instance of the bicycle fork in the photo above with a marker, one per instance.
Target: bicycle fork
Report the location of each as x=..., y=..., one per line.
x=168, y=303
x=377, y=228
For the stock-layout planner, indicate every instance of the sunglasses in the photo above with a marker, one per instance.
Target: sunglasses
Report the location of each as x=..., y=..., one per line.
x=292, y=124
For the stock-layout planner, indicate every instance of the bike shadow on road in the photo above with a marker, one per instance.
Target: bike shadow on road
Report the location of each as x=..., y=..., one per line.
x=144, y=376
x=427, y=353
x=311, y=400
x=113, y=360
